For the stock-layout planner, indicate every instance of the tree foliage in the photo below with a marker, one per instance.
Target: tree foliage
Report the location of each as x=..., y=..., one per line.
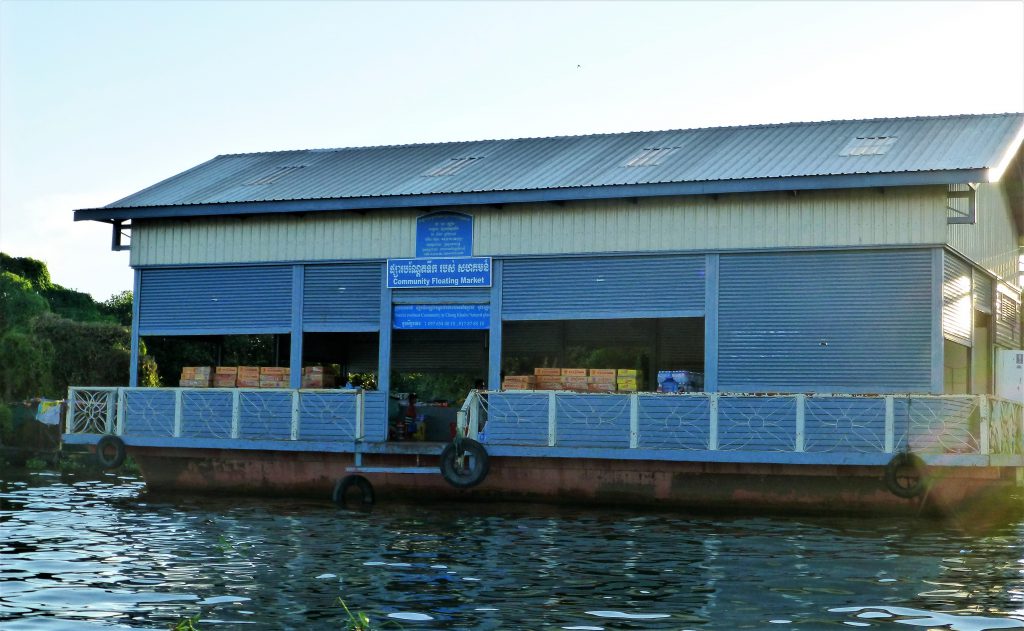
x=52, y=337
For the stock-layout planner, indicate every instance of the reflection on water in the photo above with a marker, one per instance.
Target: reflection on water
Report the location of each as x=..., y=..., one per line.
x=101, y=553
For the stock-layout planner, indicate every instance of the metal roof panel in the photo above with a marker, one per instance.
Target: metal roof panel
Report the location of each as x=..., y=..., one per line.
x=758, y=152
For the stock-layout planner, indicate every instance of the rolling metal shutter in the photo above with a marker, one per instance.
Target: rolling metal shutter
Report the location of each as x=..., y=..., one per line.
x=442, y=295
x=1007, y=319
x=215, y=300
x=342, y=297
x=439, y=352
x=956, y=299
x=595, y=288
x=825, y=321
x=983, y=293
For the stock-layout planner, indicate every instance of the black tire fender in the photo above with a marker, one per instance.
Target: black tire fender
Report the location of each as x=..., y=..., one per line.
x=464, y=463
x=896, y=479
x=367, y=495
x=110, y=451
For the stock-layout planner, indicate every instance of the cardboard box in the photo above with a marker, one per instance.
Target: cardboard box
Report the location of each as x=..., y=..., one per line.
x=249, y=371
x=314, y=370
x=547, y=372
x=225, y=381
x=194, y=383
x=271, y=371
x=603, y=379
x=550, y=383
x=607, y=373
x=318, y=381
x=575, y=383
x=227, y=371
x=196, y=372
x=625, y=384
x=574, y=372
x=247, y=383
x=601, y=387
x=626, y=372
x=519, y=379
x=516, y=385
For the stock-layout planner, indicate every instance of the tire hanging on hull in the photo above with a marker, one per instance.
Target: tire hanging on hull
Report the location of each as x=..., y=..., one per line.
x=341, y=489
x=464, y=463
x=906, y=476
x=110, y=452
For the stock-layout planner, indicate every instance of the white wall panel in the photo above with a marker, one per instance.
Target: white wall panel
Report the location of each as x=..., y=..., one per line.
x=992, y=241
x=767, y=220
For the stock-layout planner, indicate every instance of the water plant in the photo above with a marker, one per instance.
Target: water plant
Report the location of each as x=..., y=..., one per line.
x=357, y=621
x=35, y=464
x=186, y=624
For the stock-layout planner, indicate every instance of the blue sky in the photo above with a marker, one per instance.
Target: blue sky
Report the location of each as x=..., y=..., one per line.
x=101, y=99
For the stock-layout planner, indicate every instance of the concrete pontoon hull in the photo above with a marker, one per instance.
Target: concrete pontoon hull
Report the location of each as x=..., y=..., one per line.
x=838, y=490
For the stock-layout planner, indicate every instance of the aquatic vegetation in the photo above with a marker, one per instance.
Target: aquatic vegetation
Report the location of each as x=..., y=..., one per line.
x=35, y=464
x=187, y=624
x=357, y=621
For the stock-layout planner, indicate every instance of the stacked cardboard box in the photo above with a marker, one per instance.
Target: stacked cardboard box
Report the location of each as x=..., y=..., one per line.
x=548, y=378
x=601, y=380
x=196, y=377
x=248, y=377
x=574, y=379
x=625, y=380
x=317, y=377
x=519, y=382
x=275, y=377
x=225, y=377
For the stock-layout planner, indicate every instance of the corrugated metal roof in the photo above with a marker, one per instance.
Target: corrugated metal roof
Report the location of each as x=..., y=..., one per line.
x=724, y=154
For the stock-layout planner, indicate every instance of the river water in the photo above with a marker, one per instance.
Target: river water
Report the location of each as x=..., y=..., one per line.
x=100, y=553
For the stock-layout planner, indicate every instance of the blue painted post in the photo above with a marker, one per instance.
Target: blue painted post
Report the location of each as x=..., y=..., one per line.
x=711, y=323
x=298, y=289
x=133, y=370
x=938, y=342
x=494, y=350
x=384, y=353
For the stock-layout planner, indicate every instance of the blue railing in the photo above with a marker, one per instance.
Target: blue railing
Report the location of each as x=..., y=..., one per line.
x=565, y=422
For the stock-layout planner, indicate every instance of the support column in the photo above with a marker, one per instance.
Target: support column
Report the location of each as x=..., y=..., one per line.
x=295, y=361
x=384, y=353
x=938, y=342
x=711, y=278
x=133, y=370
x=494, y=345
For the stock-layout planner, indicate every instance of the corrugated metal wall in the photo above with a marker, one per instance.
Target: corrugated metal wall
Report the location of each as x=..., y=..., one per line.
x=914, y=215
x=593, y=288
x=451, y=352
x=1007, y=318
x=441, y=295
x=956, y=299
x=826, y=321
x=992, y=242
x=984, y=293
x=215, y=300
x=342, y=297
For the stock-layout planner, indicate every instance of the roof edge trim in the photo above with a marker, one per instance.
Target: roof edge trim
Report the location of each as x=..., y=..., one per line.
x=623, y=191
x=996, y=173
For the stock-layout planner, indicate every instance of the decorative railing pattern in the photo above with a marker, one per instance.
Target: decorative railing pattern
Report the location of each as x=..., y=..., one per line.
x=682, y=422
x=229, y=413
x=743, y=422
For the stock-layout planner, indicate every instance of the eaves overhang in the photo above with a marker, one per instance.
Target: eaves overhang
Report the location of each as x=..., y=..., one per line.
x=582, y=193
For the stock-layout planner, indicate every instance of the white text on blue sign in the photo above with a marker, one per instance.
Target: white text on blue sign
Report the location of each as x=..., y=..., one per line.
x=427, y=273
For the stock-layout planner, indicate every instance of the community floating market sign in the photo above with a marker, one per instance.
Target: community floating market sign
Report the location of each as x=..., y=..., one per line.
x=444, y=235
x=444, y=248
x=435, y=317
x=427, y=273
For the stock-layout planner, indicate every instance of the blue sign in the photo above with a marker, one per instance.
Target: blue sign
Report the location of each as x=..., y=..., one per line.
x=433, y=273
x=442, y=317
x=444, y=235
